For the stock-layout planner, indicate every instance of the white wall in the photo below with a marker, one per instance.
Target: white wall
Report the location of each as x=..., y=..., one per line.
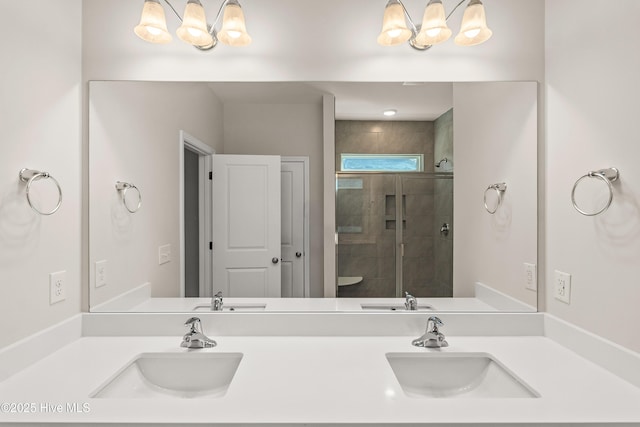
x=40, y=116
x=314, y=40
x=134, y=137
x=592, y=69
x=495, y=133
x=286, y=130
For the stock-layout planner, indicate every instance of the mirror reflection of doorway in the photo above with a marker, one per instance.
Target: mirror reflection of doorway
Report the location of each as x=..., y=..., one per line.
x=191, y=225
x=196, y=217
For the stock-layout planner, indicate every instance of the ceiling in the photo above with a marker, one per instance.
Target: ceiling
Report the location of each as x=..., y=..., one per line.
x=354, y=100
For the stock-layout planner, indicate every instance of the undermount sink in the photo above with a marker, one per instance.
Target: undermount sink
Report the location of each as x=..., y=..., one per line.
x=456, y=375
x=233, y=307
x=178, y=375
x=394, y=307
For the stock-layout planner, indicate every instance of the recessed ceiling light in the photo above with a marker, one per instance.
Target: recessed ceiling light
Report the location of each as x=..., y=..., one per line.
x=390, y=112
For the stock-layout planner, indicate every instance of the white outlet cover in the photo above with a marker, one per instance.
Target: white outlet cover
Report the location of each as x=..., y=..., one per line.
x=57, y=284
x=530, y=277
x=562, y=287
x=101, y=273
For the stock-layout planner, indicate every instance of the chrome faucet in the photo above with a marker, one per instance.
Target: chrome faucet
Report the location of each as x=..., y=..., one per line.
x=216, y=302
x=432, y=338
x=411, y=303
x=195, y=338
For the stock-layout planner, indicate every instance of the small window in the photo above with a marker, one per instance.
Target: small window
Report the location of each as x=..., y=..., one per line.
x=382, y=162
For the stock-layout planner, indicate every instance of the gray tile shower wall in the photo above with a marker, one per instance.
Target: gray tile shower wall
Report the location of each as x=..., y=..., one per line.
x=368, y=213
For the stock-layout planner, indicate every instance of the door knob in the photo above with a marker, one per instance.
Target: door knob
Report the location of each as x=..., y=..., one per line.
x=298, y=254
x=274, y=260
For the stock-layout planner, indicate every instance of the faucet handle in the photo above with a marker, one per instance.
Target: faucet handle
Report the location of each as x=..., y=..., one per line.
x=218, y=294
x=433, y=322
x=436, y=320
x=411, y=303
x=195, y=325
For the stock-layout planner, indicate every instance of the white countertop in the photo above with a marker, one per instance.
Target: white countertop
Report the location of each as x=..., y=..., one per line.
x=294, y=379
x=166, y=305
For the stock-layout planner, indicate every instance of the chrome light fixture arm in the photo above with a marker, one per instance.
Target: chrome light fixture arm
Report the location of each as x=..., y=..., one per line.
x=210, y=27
x=174, y=10
x=415, y=29
x=454, y=9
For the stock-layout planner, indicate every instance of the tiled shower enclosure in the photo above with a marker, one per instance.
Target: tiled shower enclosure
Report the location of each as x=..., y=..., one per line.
x=389, y=224
x=392, y=232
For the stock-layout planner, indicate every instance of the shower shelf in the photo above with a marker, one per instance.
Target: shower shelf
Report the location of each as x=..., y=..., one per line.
x=348, y=281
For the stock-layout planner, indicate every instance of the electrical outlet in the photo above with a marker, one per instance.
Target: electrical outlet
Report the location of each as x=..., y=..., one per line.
x=562, y=287
x=530, y=279
x=57, y=283
x=101, y=273
x=164, y=254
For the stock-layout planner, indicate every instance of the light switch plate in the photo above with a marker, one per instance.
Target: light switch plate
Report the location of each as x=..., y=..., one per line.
x=101, y=273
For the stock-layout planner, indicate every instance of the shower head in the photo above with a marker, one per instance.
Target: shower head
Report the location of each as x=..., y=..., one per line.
x=444, y=160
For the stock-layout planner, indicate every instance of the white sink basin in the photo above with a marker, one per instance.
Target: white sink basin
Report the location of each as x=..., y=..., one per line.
x=456, y=375
x=233, y=307
x=394, y=307
x=179, y=375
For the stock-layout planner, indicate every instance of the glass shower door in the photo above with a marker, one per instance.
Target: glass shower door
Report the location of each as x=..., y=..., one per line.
x=427, y=240
x=365, y=222
x=395, y=234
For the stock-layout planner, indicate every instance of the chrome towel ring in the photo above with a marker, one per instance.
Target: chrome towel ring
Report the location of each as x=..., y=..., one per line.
x=123, y=187
x=499, y=188
x=608, y=176
x=31, y=175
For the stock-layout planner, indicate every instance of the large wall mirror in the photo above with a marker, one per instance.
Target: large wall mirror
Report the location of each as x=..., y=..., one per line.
x=198, y=189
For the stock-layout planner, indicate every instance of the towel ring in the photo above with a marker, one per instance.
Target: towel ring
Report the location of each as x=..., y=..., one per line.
x=499, y=188
x=607, y=176
x=30, y=175
x=123, y=187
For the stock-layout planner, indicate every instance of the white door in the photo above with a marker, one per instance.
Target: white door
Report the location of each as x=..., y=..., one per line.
x=293, y=199
x=247, y=226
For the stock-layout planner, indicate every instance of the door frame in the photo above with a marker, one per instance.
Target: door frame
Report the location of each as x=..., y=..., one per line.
x=205, y=203
x=305, y=163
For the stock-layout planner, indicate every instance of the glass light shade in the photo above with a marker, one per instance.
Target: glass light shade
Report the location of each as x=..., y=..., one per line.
x=474, y=28
x=234, y=30
x=434, y=27
x=394, y=27
x=153, y=24
x=194, y=25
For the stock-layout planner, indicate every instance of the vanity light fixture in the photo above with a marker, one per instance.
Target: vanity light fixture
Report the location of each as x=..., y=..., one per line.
x=398, y=27
x=194, y=28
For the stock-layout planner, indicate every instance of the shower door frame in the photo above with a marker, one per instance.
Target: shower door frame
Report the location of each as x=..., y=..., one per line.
x=399, y=214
